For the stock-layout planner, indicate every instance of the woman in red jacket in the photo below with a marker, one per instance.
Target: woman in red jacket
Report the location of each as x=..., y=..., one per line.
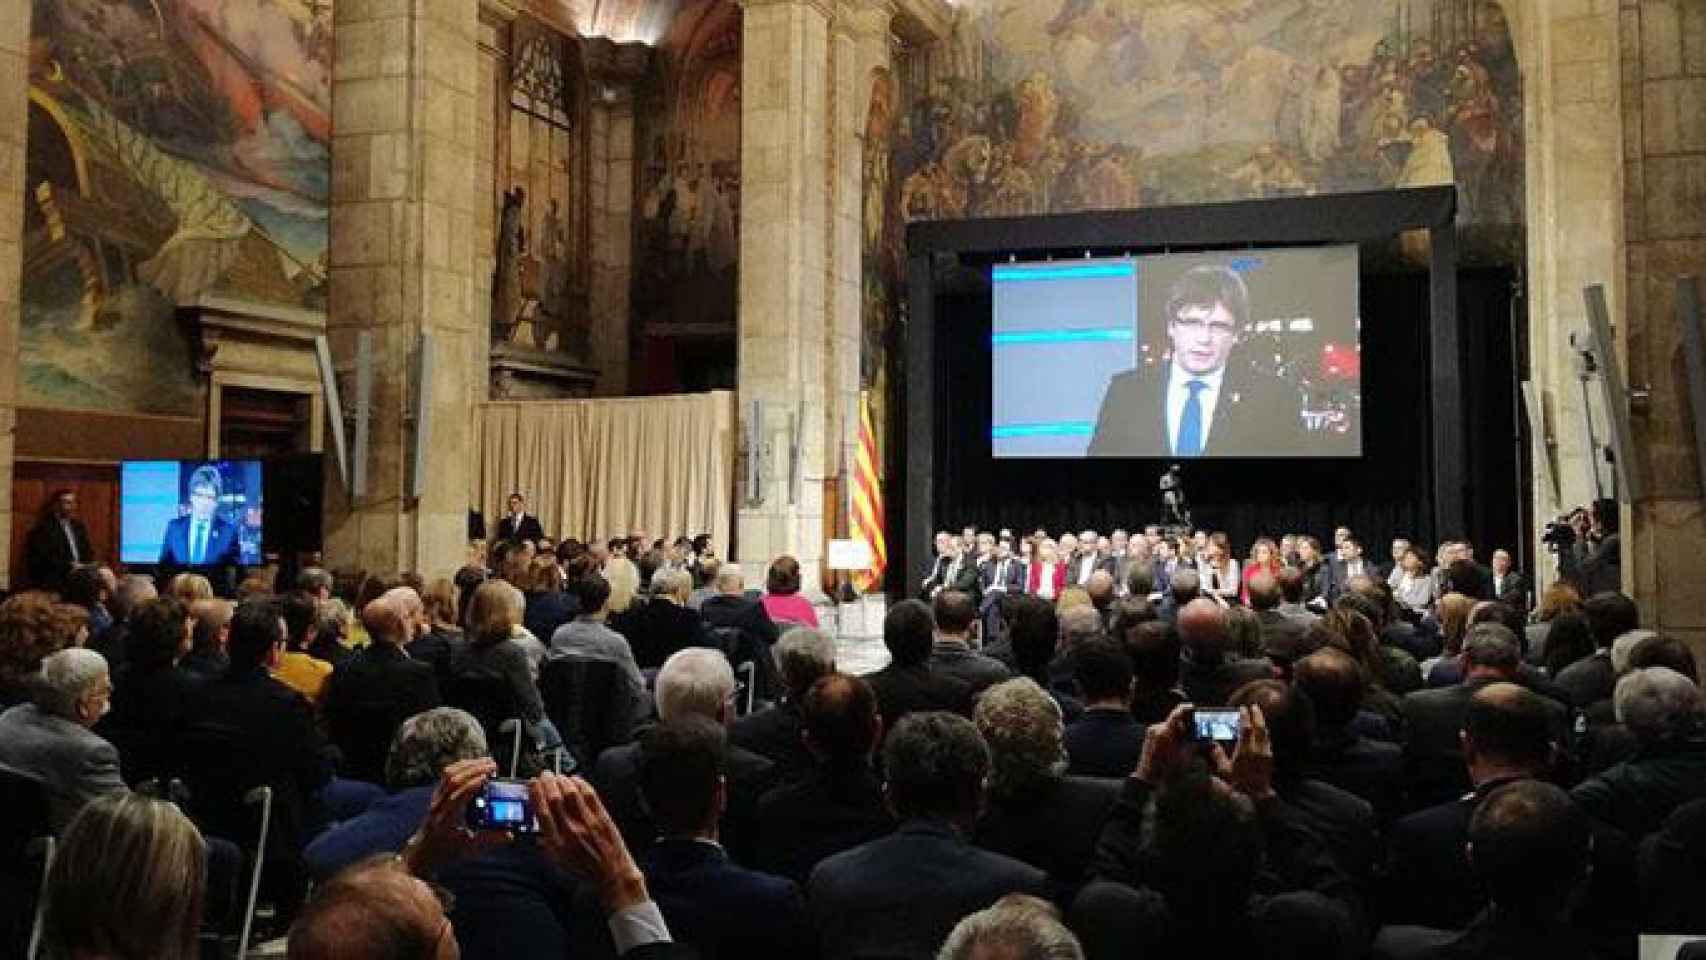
x=1048, y=574
x=1264, y=558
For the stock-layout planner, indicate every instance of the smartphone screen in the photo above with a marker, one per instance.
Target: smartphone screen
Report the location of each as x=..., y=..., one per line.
x=502, y=805
x=1217, y=725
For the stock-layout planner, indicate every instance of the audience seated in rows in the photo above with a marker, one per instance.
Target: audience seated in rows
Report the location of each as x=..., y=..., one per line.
x=803, y=655
x=1369, y=768
x=1106, y=739
x=1210, y=671
x=370, y=696
x=151, y=696
x=909, y=683
x=953, y=653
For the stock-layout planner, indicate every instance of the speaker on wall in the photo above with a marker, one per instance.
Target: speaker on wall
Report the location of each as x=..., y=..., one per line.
x=1616, y=394
x=422, y=393
x=334, y=406
x=363, y=411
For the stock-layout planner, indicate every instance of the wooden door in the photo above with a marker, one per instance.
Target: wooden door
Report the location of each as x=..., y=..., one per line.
x=97, y=487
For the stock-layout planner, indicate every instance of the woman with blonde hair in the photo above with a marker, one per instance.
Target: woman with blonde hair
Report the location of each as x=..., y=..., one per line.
x=494, y=614
x=190, y=587
x=624, y=580
x=127, y=883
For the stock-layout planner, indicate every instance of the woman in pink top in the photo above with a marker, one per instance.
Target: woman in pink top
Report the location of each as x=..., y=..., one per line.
x=782, y=598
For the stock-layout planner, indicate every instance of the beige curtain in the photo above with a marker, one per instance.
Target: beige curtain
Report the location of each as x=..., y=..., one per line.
x=602, y=468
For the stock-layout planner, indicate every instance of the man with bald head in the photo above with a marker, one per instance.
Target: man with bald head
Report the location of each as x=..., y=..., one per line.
x=1507, y=736
x=370, y=695
x=1435, y=718
x=1210, y=668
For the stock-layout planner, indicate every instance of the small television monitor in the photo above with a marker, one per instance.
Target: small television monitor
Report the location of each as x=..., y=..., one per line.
x=184, y=514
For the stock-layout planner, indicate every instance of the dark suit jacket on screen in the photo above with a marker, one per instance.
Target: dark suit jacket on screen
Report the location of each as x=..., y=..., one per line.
x=222, y=550
x=1255, y=416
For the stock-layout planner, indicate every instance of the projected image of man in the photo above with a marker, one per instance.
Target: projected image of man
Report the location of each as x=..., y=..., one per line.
x=1209, y=401
x=201, y=539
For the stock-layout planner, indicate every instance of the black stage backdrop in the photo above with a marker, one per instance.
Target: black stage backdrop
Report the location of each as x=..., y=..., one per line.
x=1385, y=493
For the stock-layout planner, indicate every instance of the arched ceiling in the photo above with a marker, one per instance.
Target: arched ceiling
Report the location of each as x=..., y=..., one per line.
x=624, y=21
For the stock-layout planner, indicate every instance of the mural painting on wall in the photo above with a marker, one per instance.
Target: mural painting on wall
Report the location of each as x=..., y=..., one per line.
x=539, y=290
x=880, y=259
x=688, y=191
x=1066, y=105
x=178, y=149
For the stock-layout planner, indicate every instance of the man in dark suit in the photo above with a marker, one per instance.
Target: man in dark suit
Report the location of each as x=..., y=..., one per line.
x=1210, y=670
x=710, y=903
x=1509, y=586
x=1203, y=403
x=202, y=539
x=694, y=682
x=1106, y=740
x=909, y=683
x=998, y=576
x=1343, y=819
x=1371, y=769
x=901, y=895
x=1433, y=748
x=1531, y=852
x=838, y=804
x=1088, y=560
x=57, y=542
x=1507, y=736
x=368, y=697
x=1347, y=564
x=953, y=653
x=946, y=548
x=802, y=656
x=1591, y=679
x=1283, y=637
x=518, y=524
x=731, y=608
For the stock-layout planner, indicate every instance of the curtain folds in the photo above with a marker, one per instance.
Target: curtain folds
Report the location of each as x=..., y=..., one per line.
x=607, y=467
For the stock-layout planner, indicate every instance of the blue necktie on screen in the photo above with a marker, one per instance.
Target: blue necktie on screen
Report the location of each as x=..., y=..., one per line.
x=198, y=543
x=1190, y=422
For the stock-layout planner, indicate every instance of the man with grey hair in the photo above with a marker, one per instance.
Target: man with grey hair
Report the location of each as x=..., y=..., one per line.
x=1434, y=718
x=50, y=739
x=666, y=624
x=1209, y=669
x=901, y=895
x=1183, y=586
x=370, y=696
x=693, y=682
x=1018, y=927
x=424, y=746
x=1037, y=814
x=316, y=582
x=130, y=593
x=734, y=615
x=1667, y=715
x=802, y=656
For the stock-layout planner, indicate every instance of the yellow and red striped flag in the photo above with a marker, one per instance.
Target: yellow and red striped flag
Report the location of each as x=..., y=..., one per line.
x=867, y=512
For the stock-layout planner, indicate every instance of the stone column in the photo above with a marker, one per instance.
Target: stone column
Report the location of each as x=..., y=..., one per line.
x=1663, y=54
x=14, y=122
x=783, y=276
x=402, y=260
x=1574, y=174
x=860, y=39
x=614, y=69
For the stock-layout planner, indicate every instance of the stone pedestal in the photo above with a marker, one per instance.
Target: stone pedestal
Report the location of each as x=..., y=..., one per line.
x=402, y=263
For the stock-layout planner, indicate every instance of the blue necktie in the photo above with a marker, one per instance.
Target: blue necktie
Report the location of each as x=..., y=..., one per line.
x=1190, y=423
x=198, y=543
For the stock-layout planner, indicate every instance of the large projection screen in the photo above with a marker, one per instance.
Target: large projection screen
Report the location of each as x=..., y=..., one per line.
x=1247, y=353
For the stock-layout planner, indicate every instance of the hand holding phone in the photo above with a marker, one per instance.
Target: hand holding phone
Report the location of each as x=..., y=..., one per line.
x=1215, y=725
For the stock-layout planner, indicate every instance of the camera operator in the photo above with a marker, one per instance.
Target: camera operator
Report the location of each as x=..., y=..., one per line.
x=1589, y=548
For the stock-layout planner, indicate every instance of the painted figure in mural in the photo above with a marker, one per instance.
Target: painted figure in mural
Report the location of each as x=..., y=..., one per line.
x=718, y=225
x=506, y=279
x=556, y=285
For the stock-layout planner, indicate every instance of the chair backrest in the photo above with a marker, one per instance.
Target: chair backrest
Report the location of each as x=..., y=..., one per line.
x=580, y=698
x=23, y=797
x=363, y=733
x=484, y=693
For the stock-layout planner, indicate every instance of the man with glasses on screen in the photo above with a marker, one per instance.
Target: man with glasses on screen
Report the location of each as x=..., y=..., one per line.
x=1207, y=401
x=202, y=539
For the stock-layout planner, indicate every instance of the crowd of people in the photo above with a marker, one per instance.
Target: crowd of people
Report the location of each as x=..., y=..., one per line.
x=1033, y=774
